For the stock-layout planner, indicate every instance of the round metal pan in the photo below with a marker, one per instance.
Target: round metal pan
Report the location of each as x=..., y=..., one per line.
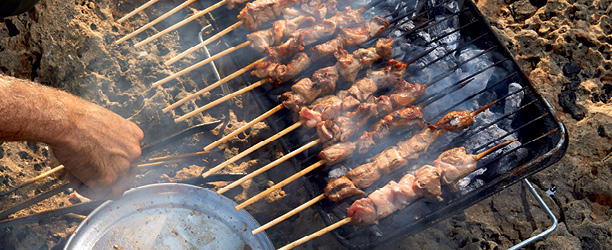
x=168, y=216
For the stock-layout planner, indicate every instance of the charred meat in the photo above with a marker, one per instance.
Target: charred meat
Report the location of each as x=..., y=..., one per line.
x=258, y=12
x=324, y=81
x=278, y=73
x=394, y=157
x=455, y=163
x=450, y=166
x=403, y=119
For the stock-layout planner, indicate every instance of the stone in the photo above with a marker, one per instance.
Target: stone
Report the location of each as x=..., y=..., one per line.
x=522, y=10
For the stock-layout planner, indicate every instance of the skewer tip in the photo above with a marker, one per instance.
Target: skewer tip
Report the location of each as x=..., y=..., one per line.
x=485, y=107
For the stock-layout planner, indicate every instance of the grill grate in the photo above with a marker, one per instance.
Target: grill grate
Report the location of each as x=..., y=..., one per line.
x=435, y=38
x=542, y=139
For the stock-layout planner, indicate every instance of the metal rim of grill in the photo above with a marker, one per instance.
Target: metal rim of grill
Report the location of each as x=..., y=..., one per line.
x=540, y=132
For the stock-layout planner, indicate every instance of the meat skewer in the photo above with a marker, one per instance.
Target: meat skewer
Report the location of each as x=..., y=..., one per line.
x=324, y=77
x=276, y=72
x=294, y=18
x=344, y=187
x=403, y=119
x=383, y=163
x=225, y=138
x=319, y=50
x=397, y=156
x=450, y=166
x=399, y=97
x=254, y=8
x=293, y=153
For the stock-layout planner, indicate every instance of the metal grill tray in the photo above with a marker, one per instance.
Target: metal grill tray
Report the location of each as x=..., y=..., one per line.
x=543, y=138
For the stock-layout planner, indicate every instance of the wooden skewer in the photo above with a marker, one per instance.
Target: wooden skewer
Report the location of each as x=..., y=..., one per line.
x=269, y=166
x=204, y=43
x=43, y=175
x=288, y=214
x=253, y=148
x=316, y=234
x=221, y=100
x=280, y=184
x=170, y=157
x=200, y=64
x=213, y=145
x=490, y=150
x=57, y=169
x=34, y=179
x=243, y=128
x=76, y=216
x=483, y=108
x=157, y=20
x=322, y=196
x=348, y=219
x=135, y=11
x=181, y=23
x=214, y=85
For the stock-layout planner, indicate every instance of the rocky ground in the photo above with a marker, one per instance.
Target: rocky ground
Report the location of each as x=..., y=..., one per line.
x=564, y=46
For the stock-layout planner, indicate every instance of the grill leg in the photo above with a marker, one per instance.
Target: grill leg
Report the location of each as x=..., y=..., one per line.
x=550, y=214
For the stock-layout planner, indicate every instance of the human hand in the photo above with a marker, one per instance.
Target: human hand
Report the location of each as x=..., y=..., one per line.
x=97, y=148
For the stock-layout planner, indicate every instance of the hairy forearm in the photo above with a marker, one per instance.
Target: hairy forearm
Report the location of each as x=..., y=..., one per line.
x=95, y=145
x=32, y=112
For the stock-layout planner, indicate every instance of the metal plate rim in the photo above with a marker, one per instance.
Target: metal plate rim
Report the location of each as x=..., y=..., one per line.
x=90, y=227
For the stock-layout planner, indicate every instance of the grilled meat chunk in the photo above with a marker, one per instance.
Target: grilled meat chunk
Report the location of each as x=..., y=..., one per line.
x=384, y=201
x=363, y=211
x=455, y=164
x=342, y=187
x=285, y=50
x=410, y=117
x=361, y=33
x=307, y=90
x=428, y=181
x=406, y=118
x=455, y=121
x=337, y=152
x=263, y=39
x=322, y=109
x=258, y=12
x=327, y=48
x=278, y=73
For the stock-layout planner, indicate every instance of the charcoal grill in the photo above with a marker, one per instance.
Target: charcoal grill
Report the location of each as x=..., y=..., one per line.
x=542, y=137
x=453, y=49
